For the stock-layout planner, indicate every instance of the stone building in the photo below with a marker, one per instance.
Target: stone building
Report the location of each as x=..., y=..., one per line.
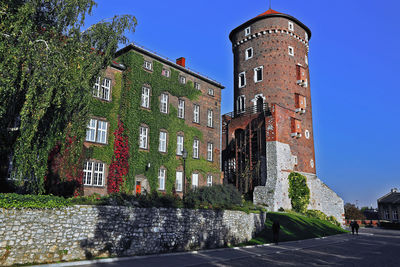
x=389, y=206
x=270, y=133
x=165, y=108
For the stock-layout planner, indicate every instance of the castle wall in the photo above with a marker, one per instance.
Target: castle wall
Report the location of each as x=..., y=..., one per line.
x=81, y=232
x=275, y=193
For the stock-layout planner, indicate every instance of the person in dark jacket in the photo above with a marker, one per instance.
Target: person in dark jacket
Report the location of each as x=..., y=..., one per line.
x=275, y=232
x=352, y=225
x=356, y=226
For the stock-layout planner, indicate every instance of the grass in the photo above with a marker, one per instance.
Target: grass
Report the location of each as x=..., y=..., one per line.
x=294, y=227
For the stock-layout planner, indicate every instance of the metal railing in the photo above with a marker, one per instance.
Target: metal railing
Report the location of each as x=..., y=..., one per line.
x=249, y=111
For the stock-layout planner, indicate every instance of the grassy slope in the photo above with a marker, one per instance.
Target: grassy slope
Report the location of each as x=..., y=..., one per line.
x=294, y=227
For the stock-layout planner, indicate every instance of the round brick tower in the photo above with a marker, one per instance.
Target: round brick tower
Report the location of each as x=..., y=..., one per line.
x=271, y=66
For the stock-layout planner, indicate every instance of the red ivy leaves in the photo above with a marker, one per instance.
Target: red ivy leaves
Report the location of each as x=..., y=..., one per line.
x=119, y=166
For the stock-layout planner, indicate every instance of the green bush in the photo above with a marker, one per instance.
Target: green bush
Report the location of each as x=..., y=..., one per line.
x=9, y=201
x=299, y=193
x=217, y=196
x=321, y=216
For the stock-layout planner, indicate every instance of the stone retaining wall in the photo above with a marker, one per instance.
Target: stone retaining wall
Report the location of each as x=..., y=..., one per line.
x=82, y=232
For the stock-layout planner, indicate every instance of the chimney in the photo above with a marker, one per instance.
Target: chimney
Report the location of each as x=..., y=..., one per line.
x=181, y=61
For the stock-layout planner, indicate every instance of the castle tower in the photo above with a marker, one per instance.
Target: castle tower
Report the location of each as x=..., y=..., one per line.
x=270, y=133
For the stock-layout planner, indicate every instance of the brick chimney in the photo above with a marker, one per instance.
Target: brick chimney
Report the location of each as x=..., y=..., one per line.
x=181, y=61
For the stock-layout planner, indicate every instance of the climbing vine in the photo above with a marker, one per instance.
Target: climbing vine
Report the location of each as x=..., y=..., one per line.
x=299, y=193
x=119, y=166
x=133, y=116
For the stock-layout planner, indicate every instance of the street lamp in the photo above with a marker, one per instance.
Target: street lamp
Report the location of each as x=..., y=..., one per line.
x=184, y=156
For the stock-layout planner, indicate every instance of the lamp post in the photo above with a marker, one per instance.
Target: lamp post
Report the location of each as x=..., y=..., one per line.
x=184, y=156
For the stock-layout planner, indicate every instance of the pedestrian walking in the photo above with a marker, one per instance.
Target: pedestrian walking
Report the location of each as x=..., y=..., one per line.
x=356, y=226
x=275, y=232
x=352, y=225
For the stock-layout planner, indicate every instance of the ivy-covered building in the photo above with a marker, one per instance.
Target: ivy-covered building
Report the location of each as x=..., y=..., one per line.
x=160, y=109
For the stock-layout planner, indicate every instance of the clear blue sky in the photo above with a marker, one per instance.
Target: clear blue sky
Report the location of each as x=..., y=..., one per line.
x=354, y=67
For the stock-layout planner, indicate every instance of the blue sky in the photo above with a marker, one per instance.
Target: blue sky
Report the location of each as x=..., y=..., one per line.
x=354, y=68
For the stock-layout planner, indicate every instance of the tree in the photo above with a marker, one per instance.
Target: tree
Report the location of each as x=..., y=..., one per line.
x=299, y=193
x=351, y=212
x=48, y=66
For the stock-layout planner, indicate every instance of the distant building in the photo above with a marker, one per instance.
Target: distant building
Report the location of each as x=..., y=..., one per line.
x=269, y=134
x=389, y=206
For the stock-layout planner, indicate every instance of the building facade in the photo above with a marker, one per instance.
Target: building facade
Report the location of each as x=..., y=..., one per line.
x=389, y=206
x=166, y=110
x=270, y=133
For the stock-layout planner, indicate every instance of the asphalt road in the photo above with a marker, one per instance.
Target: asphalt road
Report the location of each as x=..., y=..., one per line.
x=372, y=247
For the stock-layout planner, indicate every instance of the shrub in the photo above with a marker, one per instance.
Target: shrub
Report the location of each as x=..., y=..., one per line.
x=217, y=196
x=322, y=216
x=299, y=193
x=9, y=201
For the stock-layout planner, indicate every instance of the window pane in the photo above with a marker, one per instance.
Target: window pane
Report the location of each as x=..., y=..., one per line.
x=179, y=181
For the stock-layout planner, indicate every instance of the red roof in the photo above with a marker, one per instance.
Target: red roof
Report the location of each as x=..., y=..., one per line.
x=268, y=12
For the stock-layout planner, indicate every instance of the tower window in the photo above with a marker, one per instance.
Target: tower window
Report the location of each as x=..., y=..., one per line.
x=258, y=74
x=306, y=36
x=306, y=59
x=307, y=134
x=249, y=53
x=291, y=26
x=247, y=31
x=291, y=51
x=240, y=104
x=242, y=79
x=312, y=163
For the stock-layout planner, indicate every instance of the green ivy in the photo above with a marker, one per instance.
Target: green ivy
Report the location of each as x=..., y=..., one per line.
x=17, y=201
x=110, y=111
x=133, y=116
x=299, y=193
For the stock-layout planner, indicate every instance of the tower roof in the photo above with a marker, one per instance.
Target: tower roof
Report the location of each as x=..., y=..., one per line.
x=267, y=14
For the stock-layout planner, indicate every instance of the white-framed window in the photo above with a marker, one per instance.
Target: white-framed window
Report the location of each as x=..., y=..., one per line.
x=93, y=173
x=241, y=104
x=312, y=163
x=195, y=180
x=179, y=145
x=196, y=113
x=162, y=147
x=307, y=134
x=210, y=91
x=182, y=79
x=295, y=160
x=161, y=178
x=306, y=59
x=196, y=143
x=97, y=131
x=258, y=74
x=209, y=180
x=249, y=53
x=143, y=137
x=386, y=214
x=209, y=151
x=395, y=215
x=145, y=97
x=179, y=180
x=148, y=65
x=181, y=108
x=290, y=26
x=242, y=79
x=291, y=51
x=101, y=132
x=103, y=91
x=247, y=31
x=197, y=86
x=164, y=103
x=166, y=72
x=306, y=36
x=210, y=118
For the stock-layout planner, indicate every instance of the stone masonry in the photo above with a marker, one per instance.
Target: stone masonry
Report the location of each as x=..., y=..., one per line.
x=84, y=232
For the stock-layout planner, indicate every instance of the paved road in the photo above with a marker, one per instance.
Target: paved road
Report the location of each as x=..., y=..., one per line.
x=372, y=247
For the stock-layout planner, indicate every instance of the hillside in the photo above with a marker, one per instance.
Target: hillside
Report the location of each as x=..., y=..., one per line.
x=294, y=227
